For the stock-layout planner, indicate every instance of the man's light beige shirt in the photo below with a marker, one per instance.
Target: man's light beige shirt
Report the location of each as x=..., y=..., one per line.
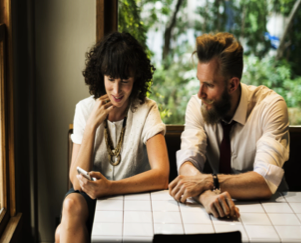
x=259, y=139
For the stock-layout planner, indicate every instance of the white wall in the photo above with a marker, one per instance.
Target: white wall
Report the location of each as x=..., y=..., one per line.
x=64, y=32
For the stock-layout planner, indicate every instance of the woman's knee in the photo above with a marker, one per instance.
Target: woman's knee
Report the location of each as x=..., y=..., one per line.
x=57, y=234
x=75, y=205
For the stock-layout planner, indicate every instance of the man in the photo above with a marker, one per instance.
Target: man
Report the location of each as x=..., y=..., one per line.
x=241, y=130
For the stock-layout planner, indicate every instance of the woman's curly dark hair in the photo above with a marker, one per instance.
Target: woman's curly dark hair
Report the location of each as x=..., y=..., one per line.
x=119, y=55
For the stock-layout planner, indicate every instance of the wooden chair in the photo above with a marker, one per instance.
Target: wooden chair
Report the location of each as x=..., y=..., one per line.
x=233, y=237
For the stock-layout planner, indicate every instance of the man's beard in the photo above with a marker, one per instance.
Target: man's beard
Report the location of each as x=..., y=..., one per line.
x=218, y=110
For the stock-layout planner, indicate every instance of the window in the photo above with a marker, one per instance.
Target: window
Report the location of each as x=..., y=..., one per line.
x=268, y=31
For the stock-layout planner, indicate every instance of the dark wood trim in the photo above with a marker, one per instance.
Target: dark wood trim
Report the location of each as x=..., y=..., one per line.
x=32, y=131
x=180, y=128
x=106, y=17
x=99, y=19
x=10, y=229
x=6, y=18
x=2, y=32
x=3, y=118
x=295, y=128
x=10, y=108
x=3, y=220
x=4, y=215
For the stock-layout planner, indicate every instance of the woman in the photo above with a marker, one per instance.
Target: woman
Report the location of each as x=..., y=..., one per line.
x=118, y=133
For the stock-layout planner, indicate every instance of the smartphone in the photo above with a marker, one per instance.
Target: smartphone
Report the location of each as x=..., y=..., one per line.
x=85, y=174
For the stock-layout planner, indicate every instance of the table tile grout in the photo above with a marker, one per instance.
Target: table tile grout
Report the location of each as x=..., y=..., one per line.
x=213, y=225
x=271, y=222
x=181, y=216
x=153, y=221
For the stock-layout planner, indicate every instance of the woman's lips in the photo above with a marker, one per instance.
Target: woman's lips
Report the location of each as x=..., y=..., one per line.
x=117, y=98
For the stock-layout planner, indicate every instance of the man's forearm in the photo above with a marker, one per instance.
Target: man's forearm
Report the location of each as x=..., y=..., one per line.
x=188, y=169
x=249, y=185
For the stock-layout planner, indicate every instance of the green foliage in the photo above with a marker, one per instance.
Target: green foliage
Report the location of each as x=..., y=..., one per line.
x=293, y=39
x=247, y=22
x=174, y=80
x=275, y=75
x=283, y=6
x=173, y=87
x=129, y=20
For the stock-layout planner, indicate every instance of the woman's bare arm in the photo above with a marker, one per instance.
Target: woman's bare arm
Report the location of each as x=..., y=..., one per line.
x=154, y=179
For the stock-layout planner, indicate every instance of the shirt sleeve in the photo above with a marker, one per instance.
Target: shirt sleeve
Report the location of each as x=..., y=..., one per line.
x=272, y=149
x=193, y=138
x=153, y=124
x=79, y=124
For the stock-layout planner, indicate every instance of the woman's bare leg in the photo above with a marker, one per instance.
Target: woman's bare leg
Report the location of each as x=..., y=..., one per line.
x=73, y=225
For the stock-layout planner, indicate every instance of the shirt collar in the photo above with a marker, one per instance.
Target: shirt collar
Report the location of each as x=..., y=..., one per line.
x=241, y=111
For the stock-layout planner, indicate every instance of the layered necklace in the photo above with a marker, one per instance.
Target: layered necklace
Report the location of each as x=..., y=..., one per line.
x=114, y=153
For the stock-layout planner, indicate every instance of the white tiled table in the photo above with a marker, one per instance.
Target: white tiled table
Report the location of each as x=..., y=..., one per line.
x=137, y=217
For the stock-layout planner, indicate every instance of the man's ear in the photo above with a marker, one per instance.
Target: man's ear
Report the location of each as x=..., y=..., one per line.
x=233, y=84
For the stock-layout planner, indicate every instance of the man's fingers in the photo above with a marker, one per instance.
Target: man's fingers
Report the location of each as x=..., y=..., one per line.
x=179, y=194
x=237, y=214
x=175, y=192
x=224, y=204
x=173, y=187
x=219, y=208
x=185, y=196
x=213, y=210
x=231, y=205
x=173, y=183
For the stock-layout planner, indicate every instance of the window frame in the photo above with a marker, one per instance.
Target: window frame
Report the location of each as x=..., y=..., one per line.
x=106, y=17
x=4, y=207
x=8, y=218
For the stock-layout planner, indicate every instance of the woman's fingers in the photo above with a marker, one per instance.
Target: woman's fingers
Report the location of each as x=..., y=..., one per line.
x=107, y=105
x=104, y=97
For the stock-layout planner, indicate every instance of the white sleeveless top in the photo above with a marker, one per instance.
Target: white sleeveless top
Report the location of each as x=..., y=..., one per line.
x=141, y=125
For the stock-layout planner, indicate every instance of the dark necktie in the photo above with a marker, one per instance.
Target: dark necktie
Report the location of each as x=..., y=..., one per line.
x=225, y=150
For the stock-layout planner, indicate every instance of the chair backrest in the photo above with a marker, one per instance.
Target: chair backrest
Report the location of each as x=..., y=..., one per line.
x=233, y=237
x=70, y=147
x=292, y=167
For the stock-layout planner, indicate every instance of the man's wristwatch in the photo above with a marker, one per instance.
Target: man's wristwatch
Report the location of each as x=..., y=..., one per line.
x=216, y=188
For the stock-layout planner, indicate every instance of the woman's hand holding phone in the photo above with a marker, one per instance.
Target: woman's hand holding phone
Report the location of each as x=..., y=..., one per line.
x=85, y=174
x=101, y=109
x=94, y=189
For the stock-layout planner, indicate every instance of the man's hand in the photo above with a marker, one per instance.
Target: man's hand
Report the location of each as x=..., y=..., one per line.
x=220, y=205
x=184, y=187
x=95, y=189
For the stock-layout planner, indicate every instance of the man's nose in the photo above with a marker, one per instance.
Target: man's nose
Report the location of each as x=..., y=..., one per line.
x=201, y=93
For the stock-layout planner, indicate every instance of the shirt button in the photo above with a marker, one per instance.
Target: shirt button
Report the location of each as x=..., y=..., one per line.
x=110, y=169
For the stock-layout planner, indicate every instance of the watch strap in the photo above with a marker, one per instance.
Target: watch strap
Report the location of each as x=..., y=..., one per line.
x=216, y=188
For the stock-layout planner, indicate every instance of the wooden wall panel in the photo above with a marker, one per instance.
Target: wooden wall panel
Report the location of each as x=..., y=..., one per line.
x=106, y=17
